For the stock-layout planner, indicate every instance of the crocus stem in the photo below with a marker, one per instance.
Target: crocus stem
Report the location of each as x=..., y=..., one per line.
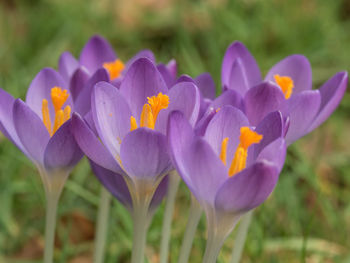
x=140, y=232
x=241, y=237
x=191, y=227
x=213, y=247
x=102, y=225
x=51, y=213
x=174, y=180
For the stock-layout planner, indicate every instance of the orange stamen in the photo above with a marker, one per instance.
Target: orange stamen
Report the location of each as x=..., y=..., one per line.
x=114, y=68
x=223, y=151
x=133, y=123
x=286, y=84
x=46, y=115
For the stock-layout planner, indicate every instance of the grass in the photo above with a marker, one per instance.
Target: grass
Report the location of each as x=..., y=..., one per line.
x=307, y=219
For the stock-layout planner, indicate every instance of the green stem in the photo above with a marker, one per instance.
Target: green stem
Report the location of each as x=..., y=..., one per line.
x=102, y=225
x=140, y=221
x=241, y=237
x=191, y=227
x=174, y=180
x=213, y=247
x=51, y=212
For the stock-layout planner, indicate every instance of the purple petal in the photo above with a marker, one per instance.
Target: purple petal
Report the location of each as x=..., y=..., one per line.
x=261, y=100
x=114, y=183
x=95, y=53
x=67, y=64
x=62, y=152
x=144, y=154
x=78, y=82
x=238, y=52
x=111, y=115
x=91, y=146
x=183, y=97
x=301, y=109
x=296, y=67
x=184, y=78
x=274, y=153
x=203, y=122
x=141, y=81
x=226, y=124
x=160, y=193
x=30, y=130
x=83, y=101
x=206, y=85
x=142, y=54
x=229, y=97
x=238, y=78
x=40, y=89
x=247, y=189
x=172, y=67
x=331, y=94
x=167, y=76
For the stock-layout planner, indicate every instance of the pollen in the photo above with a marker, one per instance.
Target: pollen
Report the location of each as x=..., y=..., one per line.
x=133, y=123
x=59, y=97
x=158, y=103
x=223, y=152
x=114, y=68
x=286, y=84
x=246, y=139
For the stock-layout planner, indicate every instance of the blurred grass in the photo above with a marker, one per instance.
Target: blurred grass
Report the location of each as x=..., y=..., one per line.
x=307, y=219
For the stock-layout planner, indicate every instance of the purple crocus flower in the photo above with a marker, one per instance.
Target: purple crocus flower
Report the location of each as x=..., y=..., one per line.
x=232, y=169
x=287, y=87
x=41, y=127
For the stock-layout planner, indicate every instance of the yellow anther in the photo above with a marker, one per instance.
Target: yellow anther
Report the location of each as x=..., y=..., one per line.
x=246, y=139
x=158, y=103
x=223, y=152
x=147, y=119
x=46, y=115
x=286, y=84
x=58, y=97
x=59, y=119
x=67, y=111
x=133, y=123
x=114, y=68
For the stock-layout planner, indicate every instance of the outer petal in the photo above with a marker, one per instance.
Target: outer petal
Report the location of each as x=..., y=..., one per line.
x=141, y=81
x=331, y=94
x=166, y=74
x=40, y=89
x=261, y=100
x=172, y=67
x=229, y=97
x=238, y=52
x=183, y=97
x=206, y=85
x=247, y=189
x=83, y=101
x=114, y=183
x=111, y=115
x=96, y=52
x=78, y=81
x=301, y=109
x=184, y=78
x=144, y=154
x=226, y=124
x=91, y=146
x=62, y=152
x=67, y=64
x=30, y=130
x=274, y=153
x=142, y=54
x=238, y=78
x=160, y=193
x=298, y=68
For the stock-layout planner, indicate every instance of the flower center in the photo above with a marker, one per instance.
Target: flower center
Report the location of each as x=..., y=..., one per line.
x=58, y=97
x=150, y=111
x=286, y=84
x=246, y=139
x=114, y=68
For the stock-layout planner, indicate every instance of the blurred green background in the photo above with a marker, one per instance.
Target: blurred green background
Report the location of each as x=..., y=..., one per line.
x=307, y=218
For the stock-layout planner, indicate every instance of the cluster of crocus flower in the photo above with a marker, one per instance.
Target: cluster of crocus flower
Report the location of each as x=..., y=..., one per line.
x=138, y=123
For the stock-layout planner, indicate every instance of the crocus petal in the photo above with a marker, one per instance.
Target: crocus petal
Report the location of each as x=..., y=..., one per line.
x=184, y=78
x=62, y=152
x=226, y=124
x=96, y=52
x=301, y=109
x=91, y=146
x=274, y=153
x=238, y=52
x=238, y=78
x=67, y=65
x=144, y=154
x=331, y=94
x=30, y=130
x=172, y=67
x=83, y=101
x=206, y=85
x=6, y=119
x=247, y=189
x=261, y=100
x=296, y=67
x=141, y=81
x=160, y=193
x=229, y=97
x=167, y=76
x=40, y=89
x=78, y=81
x=142, y=54
x=114, y=183
x=183, y=97
x=111, y=115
